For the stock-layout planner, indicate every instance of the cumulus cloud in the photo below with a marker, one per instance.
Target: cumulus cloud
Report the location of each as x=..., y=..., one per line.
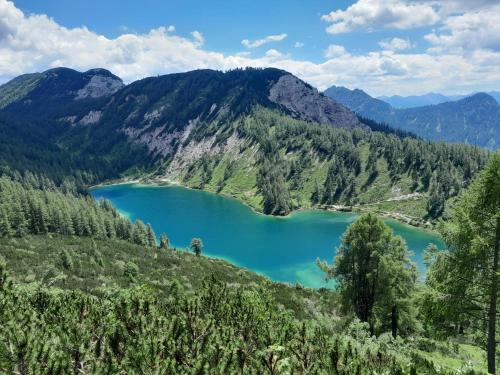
x=198, y=38
x=259, y=42
x=30, y=43
x=395, y=44
x=468, y=32
x=335, y=50
x=369, y=14
x=273, y=54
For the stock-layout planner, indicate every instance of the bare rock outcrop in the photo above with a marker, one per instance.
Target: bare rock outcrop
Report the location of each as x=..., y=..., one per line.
x=98, y=86
x=306, y=103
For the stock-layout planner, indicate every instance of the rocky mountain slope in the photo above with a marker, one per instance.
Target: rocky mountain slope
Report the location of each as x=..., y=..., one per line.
x=261, y=135
x=474, y=120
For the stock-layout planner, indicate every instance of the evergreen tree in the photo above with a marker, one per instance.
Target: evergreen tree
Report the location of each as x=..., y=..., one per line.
x=467, y=275
x=373, y=271
x=197, y=246
x=5, y=227
x=151, y=236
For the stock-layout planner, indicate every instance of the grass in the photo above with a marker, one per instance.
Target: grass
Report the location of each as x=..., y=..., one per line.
x=100, y=264
x=97, y=265
x=456, y=356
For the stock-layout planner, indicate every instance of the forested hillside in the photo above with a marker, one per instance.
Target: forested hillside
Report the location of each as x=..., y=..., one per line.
x=260, y=135
x=473, y=119
x=277, y=164
x=110, y=299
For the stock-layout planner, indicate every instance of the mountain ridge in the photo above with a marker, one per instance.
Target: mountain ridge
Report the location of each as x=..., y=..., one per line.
x=401, y=102
x=474, y=119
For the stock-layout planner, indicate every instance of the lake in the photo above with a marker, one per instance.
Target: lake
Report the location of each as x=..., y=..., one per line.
x=281, y=248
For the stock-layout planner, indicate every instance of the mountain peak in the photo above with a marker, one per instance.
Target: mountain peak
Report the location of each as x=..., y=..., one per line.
x=474, y=119
x=480, y=98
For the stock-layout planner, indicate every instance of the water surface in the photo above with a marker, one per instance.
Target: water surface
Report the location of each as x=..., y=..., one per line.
x=284, y=249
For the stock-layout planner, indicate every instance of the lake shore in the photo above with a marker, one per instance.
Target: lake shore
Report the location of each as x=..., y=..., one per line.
x=399, y=217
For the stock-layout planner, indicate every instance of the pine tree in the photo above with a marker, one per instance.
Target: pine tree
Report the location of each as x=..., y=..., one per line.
x=196, y=246
x=151, y=237
x=466, y=276
x=5, y=227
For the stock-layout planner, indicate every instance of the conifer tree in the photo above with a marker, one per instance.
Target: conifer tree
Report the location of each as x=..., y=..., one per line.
x=373, y=270
x=196, y=246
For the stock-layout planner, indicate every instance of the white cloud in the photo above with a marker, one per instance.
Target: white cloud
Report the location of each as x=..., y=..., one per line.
x=259, y=42
x=273, y=54
x=30, y=43
x=335, y=50
x=171, y=28
x=298, y=45
x=395, y=44
x=198, y=38
x=468, y=32
x=369, y=14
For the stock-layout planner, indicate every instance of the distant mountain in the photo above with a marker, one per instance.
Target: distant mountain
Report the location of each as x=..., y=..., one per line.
x=398, y=101
x=474, y=119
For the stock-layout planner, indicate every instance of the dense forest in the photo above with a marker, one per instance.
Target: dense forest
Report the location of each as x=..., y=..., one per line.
x=227, y=327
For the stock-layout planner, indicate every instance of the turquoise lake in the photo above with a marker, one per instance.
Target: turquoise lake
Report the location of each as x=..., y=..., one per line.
x=281, y=248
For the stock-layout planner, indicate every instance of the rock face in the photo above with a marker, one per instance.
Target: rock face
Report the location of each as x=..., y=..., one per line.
x=306, y=103
x=98, y=86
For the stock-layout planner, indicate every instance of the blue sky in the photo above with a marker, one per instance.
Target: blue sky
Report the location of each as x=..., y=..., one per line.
x=223, y=23
x=383, y=46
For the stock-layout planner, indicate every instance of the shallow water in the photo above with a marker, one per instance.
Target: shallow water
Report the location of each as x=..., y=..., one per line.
x=284, y=249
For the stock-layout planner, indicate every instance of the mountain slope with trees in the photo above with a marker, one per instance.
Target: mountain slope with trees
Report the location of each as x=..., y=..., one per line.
x=474, y=119
x=107, y=304
x=261, y=135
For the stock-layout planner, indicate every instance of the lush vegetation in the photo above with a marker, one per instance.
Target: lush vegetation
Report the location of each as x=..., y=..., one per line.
x=216, y=331
x=464, y=281
x=206, y=316
x=100, y=294
x=299, y=164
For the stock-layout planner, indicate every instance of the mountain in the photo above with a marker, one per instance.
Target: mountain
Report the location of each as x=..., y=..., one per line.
x=360, y=102
x=49, y=94
x=261, y=135
x=398, y=101
x=474, y=119
x=63, y=94
x=431, y=98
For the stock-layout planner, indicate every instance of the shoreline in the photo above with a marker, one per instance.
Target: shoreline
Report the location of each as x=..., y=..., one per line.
x=400, y=218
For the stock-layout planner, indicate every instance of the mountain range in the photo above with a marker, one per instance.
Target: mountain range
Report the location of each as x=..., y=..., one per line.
x=474, y=119
x=432, y=98
x=260, y=135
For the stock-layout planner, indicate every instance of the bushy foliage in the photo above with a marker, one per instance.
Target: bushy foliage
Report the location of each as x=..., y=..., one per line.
x=217, y=331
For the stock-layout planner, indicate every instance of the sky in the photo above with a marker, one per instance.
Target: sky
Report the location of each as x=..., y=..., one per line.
x=384, y=47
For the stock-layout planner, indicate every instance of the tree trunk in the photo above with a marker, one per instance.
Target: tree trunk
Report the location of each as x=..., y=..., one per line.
x=492, y=311
x=394, y=321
